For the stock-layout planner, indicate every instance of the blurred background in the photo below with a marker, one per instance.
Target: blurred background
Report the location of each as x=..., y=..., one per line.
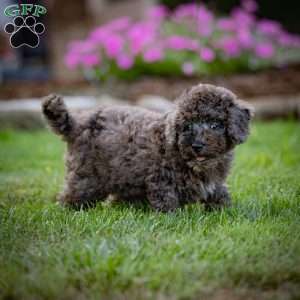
x=146, y=52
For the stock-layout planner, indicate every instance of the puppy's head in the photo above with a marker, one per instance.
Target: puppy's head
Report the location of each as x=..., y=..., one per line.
x=207, y=122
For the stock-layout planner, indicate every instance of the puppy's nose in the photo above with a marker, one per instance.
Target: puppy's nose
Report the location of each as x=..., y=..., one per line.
x=198, y=146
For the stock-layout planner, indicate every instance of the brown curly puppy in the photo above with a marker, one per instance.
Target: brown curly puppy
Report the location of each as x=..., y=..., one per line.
x=134, y=154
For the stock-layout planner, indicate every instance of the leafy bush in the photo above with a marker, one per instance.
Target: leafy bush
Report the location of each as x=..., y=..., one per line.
x=188, y=41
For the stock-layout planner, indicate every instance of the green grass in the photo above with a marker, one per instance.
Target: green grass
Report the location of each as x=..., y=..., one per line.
x=251, y=251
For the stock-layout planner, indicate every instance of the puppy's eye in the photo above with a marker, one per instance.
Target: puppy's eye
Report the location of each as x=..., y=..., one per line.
x=216, y=125
x=188, y=127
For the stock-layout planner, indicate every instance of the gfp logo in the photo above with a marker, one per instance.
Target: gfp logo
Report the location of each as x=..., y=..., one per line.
x=24, y=29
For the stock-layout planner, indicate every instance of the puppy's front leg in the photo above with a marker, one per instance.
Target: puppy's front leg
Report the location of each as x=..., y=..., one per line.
x=161, y=194
x=220, y=198
x=163, y=201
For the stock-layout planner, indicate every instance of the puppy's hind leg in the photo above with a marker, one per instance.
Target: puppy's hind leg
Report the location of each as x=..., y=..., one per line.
x=81, y=193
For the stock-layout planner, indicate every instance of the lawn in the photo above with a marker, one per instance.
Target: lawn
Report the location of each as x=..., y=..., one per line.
x=250, y=251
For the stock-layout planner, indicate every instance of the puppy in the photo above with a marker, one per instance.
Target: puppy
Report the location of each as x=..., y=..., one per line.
x=133, y=154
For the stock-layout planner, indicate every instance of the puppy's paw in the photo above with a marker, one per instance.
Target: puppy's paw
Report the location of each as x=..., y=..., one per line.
x=220, y=199
x=218, y=204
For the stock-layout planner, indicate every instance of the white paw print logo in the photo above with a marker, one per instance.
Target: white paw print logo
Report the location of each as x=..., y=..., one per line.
x=24, y=32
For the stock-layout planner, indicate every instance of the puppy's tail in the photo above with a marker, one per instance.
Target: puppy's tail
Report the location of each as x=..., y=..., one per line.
x=57, y=115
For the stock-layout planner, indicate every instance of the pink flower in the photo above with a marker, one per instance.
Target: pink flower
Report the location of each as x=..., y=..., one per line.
x=125, y=61
x=187, y=68
x=249, y=6
x=204, y=21
x=103, y=33
x=204, y=15
x=117, y=25
x=123, y=40
x=285, y=39
x=72, y=60
x=99, y=35
x=157, y=12
x=245, y=38
x=140, y=35
x=113, y=45
x=84, y=46
x=289, y=40
x=207, y=54
x=264, y=50
x=204, y=29
x=230, y=46
x=90, y=60
x=296, y=41
x=226, y=24
x=136, y=46
x=153, y=54
x=242, y=18
x=186, y=10
x=269, y=27
x=81, y=52
x=177, y=42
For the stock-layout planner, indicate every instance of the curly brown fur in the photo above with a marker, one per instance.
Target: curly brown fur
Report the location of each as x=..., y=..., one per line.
x=133, y=154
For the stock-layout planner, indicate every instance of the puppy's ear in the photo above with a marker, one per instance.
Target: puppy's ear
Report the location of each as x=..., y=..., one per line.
x=240, y=114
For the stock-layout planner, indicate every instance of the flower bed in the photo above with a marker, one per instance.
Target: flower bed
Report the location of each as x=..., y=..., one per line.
x=188, y=41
